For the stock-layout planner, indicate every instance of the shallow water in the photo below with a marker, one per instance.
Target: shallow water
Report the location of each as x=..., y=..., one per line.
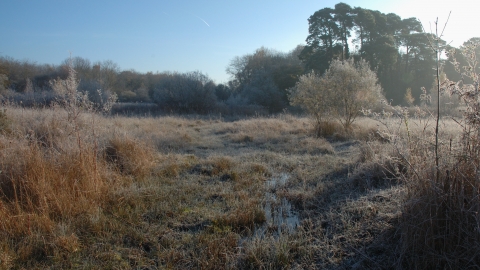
x=279, y=213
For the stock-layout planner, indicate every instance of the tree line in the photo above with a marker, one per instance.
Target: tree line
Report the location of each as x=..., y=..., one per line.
x=397, y=49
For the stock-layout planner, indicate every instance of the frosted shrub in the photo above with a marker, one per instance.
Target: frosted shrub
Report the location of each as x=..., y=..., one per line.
x=342, y=92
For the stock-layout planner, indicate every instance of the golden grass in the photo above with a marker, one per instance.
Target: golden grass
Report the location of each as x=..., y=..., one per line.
x=178, y=192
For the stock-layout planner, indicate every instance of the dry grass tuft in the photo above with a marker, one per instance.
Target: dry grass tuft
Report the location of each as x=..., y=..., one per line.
x=328, y=129
x=364, y=129
x=5, y=122
x=380, y=166
x=218, y=250
x=313, y=146
x=272, y=253
x=242, y=220
x=130, y=156
x=51, y=184
x=440, y=226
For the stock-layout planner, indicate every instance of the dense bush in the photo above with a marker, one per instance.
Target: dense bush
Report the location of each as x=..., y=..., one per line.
x=190, y=92
x=261, y=90
x=263, y=77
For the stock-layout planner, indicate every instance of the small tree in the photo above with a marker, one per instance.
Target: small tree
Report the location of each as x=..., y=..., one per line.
x=344, y=89
x=354, y=86
x=310, y=94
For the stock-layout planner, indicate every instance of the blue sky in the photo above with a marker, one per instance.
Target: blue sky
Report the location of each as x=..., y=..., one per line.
x=181, y=35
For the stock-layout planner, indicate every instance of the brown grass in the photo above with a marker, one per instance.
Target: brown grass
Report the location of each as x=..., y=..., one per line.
x=130, y=156
x=438, y=227
x=178, y=192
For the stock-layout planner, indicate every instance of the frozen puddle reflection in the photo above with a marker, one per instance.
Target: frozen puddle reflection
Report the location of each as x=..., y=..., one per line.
x=279, y=213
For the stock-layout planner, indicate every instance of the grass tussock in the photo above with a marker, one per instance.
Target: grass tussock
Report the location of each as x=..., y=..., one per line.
x=243, y=220
x=130, y=156
x=364, y=129
x=40, y=191
x=441, y=222
x=5, y=122
x=380, y=166
x=328, y=128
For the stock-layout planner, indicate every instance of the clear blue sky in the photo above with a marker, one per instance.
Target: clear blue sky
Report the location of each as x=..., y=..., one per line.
x=176, y=35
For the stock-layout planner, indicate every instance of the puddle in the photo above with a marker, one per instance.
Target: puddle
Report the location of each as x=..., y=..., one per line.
x=279, y=213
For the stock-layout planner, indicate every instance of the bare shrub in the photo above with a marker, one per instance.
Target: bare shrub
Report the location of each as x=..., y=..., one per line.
x=75, y=101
